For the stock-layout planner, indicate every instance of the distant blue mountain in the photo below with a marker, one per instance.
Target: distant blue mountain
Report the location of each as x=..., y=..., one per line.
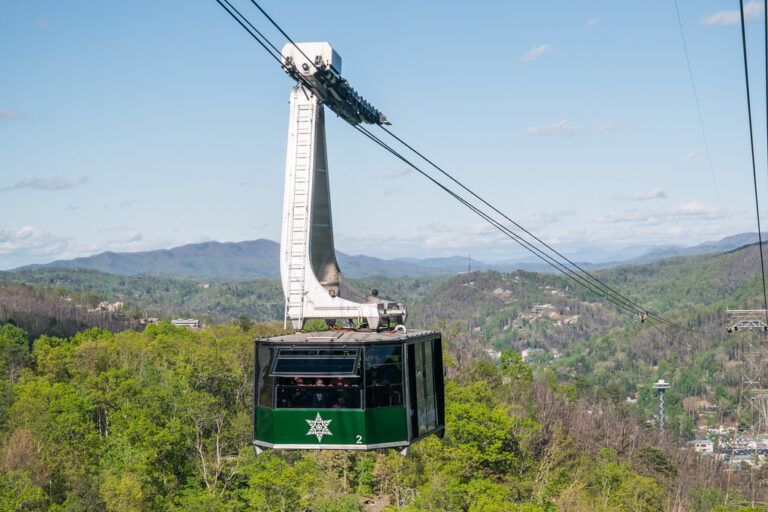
x=260, y=258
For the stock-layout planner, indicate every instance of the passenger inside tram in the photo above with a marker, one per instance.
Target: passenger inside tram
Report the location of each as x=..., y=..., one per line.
x=334, y=393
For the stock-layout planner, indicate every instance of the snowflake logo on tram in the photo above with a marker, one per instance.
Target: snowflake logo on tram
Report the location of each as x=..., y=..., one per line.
x=319, y=427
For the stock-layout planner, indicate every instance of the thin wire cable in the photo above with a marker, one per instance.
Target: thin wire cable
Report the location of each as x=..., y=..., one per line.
x=449, y=176
x=551, y=261
x=752, y=148
x=252, y=34
x=617, y=299
x=632, y=306
x=698, y=110
x=284, y=33
x=605, y=289
x=601, y=285
x=597, y=287
x=759, y=232
x=275, y=48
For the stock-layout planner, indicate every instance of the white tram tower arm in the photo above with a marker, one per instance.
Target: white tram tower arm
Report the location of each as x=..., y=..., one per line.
x=313, y=285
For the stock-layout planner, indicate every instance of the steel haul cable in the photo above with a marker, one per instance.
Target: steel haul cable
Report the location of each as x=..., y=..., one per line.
x=597, y=287
x=757, y=210
x=579, y=275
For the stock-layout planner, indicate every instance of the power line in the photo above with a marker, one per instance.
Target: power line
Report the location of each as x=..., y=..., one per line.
x=698, y=109
x=625, y=304
x=752, y=148
x=253, y=31
x=581, y=276
x=284, y=33
x=585, y=273
x=757, y=212
x=598, y=288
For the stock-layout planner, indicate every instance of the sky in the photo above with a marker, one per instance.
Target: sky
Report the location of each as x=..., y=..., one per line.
x=131, y=126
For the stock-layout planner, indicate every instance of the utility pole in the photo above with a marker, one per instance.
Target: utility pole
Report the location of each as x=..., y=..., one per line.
x=753, y=352
x=662, y=386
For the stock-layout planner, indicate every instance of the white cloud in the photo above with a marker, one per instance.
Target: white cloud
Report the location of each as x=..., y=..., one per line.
x=565, y=128
x=393, y=190
x=687, y=157
x=752, y=11
x=693, y=210
x=48, y=183
x=593, y=22
x=117, y=228
x=399, y=173
x=132, y=237
x=656, y=193
x=606, y=126
x=10, y=114
x=542, y=220
x=536, y=53
x=559, y=128
x=696, y=209
x=29, y=241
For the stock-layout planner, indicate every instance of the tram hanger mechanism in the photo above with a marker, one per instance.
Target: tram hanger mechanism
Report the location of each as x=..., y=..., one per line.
x=313, y=285
x=372, y=386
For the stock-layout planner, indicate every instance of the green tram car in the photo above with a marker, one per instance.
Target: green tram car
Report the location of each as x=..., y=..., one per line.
x=348, y=390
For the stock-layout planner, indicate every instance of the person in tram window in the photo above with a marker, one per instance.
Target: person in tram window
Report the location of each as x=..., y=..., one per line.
x=339, y=404
x=299, y=397
x=319, y=400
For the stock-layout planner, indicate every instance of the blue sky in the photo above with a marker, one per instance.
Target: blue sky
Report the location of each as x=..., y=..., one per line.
x=130, y=126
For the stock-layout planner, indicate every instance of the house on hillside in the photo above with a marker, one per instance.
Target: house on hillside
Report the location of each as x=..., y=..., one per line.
x=702, y=445
x=110, y=305
x=501, y=292
x=527, y=353
x=568, y=320
x=541, y=308
x=187, y=323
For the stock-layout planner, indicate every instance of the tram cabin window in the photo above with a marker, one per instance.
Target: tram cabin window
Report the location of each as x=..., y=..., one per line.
x=383, y=376
x=317, y=363
x=317, y=379
x=264, y=381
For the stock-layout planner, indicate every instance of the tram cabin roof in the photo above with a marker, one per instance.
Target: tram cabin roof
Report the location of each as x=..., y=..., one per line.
x=349, y=337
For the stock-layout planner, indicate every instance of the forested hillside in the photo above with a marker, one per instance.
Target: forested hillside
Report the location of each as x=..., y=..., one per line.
x=613, y=350
x=260, y=300
x=161, y=420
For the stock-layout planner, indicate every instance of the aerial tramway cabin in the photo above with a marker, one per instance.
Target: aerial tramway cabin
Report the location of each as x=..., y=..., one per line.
x=348, y=390
x=374, y=383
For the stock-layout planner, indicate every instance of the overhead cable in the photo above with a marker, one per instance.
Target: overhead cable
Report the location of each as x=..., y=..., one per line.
x=585, y=273
x=574, y=272
x=752, y=150
x=584, y=278
x=698, y=109
x=253, y=31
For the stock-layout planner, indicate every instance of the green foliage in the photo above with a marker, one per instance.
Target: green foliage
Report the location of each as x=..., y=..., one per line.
x=160, y=421
x=17, y=492
x=651, y=461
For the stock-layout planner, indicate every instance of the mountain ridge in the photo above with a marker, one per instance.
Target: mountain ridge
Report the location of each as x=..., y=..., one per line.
x=260, y=259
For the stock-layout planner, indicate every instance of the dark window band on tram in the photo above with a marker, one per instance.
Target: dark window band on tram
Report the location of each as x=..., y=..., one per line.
x=318, y=394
